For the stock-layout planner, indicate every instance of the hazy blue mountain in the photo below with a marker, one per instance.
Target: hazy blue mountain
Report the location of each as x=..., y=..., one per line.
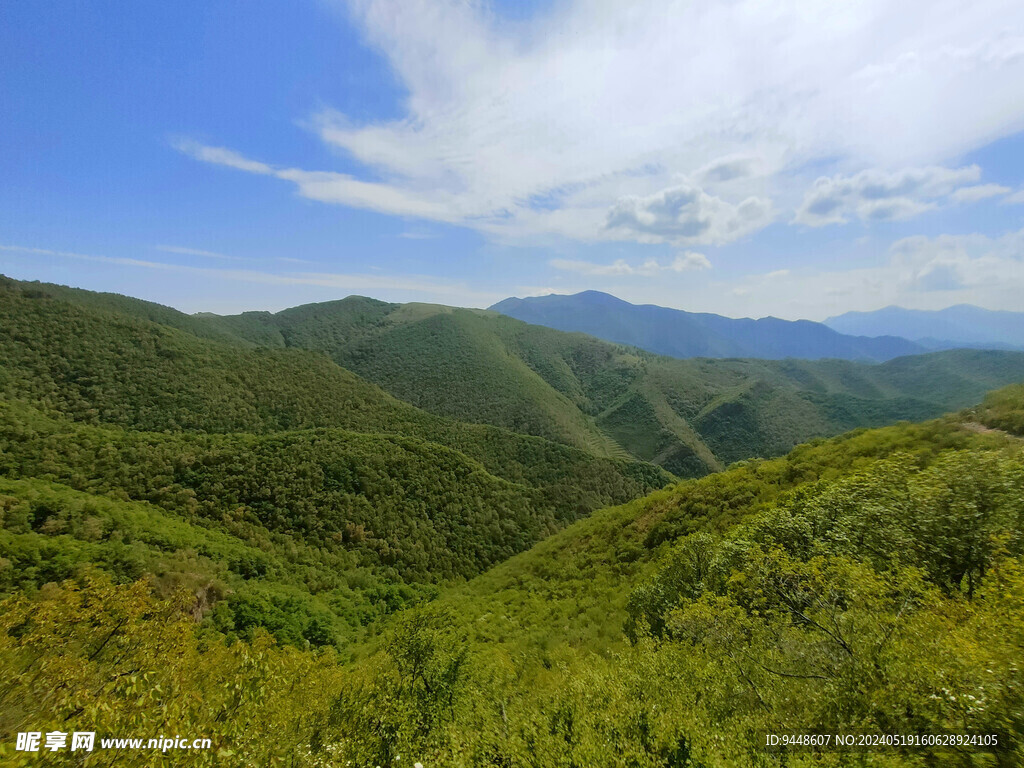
x=962, y=325
x=676, y=333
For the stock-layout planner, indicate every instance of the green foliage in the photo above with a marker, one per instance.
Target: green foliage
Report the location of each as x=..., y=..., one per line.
x=92, y=656
x=416, y=687
x=309, y=535
x=359, y=499
x=100, y=358
x=869, y=584
x=68, y=352
x=194, y=517
x=426, y=511
x=946, y=521
x=689, y=416
x=243, y=578
x=1004, y=409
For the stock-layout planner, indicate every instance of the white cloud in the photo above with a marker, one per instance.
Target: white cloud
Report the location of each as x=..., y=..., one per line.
x=421, y=284
x=978, y=192
x=875, y=194
x=591, y=103
x=683, y=262
x=919, y=272
x=689, y=260
x=221, y=156
x=686, y=214
x=330, y=187
x=528, y=291
x=952, y=262
x=195, y=252
x=1017, y=198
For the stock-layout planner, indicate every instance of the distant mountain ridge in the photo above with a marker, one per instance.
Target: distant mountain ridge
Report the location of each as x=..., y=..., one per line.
x=681, y=334
x=689, y=416
x=517, y=398
x=960, y=325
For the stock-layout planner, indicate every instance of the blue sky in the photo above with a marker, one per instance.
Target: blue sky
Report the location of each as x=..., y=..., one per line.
x=747, y=158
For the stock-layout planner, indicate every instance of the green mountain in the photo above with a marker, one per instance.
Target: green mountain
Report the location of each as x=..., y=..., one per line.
x=867, y=584
x=870, y=585
x=338, y=502
x=156, y=369
x=689, y=416
x=69, y=353
x=345, y=500
x=454, y=362
x=676, y=333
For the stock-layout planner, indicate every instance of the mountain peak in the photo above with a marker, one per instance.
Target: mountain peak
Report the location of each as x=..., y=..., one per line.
x=677, y=333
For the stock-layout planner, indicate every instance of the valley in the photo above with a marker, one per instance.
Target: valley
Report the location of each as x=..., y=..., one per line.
x=428, y=533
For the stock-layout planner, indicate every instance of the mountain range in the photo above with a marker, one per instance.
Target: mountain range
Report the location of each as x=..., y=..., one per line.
x=399, y=444
x=406, y=533
x=962, y=325
x=867, y=336
x=676, y=333
x=496, y=390
x=689, y=416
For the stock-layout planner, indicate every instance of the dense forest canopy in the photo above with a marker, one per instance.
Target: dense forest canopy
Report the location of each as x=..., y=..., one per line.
x=349, y=502
x=689, y=416
x=227, y=527
x=867, y=584
x=153, y=368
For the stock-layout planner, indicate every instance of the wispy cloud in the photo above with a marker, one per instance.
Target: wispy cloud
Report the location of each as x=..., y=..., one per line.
x=684, y=262
x=195, y=252
x=293, y=260
x=214, y=255
x=920, y=272
x=220, y=156
x=978, y=192
x=545, y=126
x=421, y=284
x=330, y=187
x=875, y=194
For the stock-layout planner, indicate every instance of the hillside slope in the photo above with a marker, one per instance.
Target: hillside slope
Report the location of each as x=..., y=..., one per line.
x=68, y=353
x=281, y=529
x=689, y=416
x=100, y=359
x=867, y=584
x=358, y=501
x=870, y=583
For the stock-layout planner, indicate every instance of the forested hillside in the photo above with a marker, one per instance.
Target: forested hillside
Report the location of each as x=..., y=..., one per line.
x=867, y=584
x=208, y=525
x=689, y=416
x=106, y=359
x=79, y=359
x=335, y=501
x=282, y=528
